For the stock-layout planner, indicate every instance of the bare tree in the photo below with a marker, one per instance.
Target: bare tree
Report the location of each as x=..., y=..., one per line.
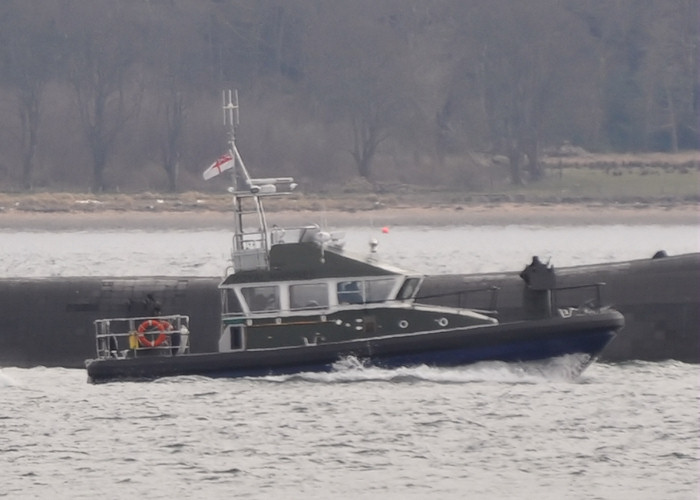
x=107, y=90
x=172, y=138
x=518, y=59
x=29, y=56
x=670, y=75
x=358, y=65
x=170, y=51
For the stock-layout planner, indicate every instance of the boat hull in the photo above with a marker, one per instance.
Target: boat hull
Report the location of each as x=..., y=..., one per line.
x=509, y=342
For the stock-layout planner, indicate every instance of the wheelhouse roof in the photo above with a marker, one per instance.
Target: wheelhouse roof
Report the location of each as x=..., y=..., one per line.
x=307, y=261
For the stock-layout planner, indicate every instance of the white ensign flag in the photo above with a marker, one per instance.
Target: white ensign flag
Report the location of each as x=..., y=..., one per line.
x=224, y=163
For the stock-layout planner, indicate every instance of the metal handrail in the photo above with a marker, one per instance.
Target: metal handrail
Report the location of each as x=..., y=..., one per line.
x=116, y=337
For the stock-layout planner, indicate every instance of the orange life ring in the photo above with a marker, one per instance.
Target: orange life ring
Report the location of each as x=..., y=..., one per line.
x=150, y=324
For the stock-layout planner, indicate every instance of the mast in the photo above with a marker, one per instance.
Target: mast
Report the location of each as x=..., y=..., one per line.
x=251, y=242
x=231, y=121
x=250, y=249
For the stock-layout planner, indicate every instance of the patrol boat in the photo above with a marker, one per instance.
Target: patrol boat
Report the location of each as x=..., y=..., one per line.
x=295, y=301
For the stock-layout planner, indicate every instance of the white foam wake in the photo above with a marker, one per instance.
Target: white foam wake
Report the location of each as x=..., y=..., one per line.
x=7, y=381
x=562, y=369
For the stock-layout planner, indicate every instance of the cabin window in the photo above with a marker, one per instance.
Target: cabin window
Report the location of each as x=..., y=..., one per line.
x=378, y=290
x=408, y=288
x=350, y=292
x=361, y=291
x=261, y=298
x=231, y=302
x=308, y=295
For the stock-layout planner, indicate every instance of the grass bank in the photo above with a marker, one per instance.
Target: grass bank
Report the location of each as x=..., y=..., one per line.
x=619, y=180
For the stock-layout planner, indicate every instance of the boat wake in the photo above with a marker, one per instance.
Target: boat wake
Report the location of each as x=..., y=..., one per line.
x=347, y=370
x=7, y=381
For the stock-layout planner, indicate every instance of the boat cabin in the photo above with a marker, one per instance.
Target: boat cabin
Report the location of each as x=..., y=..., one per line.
x=308, y=283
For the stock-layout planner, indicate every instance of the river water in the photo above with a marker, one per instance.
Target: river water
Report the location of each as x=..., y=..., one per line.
x=488, y=431
x=431, y=250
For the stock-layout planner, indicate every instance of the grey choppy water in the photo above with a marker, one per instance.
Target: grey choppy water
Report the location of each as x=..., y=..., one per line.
x=490, y=431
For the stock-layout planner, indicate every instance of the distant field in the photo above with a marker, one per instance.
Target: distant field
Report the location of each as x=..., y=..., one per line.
x=624, y=176
x=627, y=159
x=649, y=178
x=620, y=184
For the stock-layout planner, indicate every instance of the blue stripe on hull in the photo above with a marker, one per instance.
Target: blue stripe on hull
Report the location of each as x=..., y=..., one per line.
x=587, y=343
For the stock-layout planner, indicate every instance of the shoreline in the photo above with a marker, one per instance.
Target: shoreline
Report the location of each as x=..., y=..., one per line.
x=503, y=214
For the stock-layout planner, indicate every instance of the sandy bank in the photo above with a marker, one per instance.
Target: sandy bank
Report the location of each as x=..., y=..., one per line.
x=501, y=214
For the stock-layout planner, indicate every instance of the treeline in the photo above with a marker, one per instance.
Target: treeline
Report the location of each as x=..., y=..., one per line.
x=112, y=95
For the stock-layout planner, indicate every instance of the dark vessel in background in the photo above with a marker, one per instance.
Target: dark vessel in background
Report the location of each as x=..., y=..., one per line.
x=49, y=321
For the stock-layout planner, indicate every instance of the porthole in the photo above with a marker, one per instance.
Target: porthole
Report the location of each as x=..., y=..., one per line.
x=442, y=322
x=403, y=323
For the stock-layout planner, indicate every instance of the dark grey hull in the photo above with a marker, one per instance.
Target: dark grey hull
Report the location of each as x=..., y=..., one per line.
x=511, y=342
